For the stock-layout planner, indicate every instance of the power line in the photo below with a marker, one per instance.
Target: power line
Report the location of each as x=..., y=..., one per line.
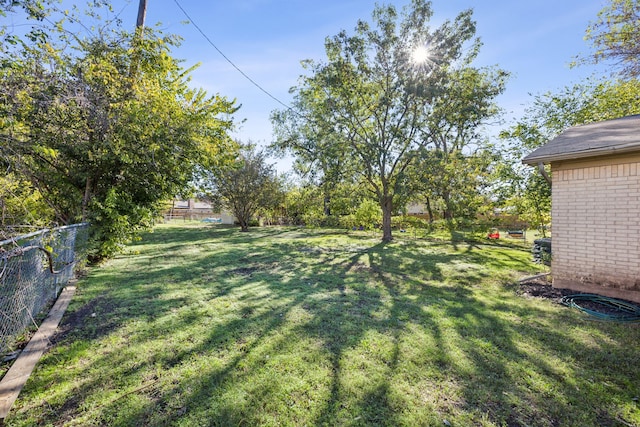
x=229, y=60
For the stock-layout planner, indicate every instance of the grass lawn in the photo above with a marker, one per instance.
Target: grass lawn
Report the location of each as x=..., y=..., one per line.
x=199, y=325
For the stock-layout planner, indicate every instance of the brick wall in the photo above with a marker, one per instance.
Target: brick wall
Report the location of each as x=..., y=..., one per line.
x=595, y=217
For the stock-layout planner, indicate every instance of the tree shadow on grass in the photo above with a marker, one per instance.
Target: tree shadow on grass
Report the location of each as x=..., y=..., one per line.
x=478, y=348
x=480, y=344
x=130, y=296
x=274, y=330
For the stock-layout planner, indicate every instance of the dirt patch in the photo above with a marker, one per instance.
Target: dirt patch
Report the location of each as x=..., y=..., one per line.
x=74, y=320
x=359, y=266
x=68, y=411
x=244, y=271
x=88, y=321
x=541, y=288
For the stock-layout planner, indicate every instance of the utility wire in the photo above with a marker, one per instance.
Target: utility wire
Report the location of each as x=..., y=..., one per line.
x=229, y=60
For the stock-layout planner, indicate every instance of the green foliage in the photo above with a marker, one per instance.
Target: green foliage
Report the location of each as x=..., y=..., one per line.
x=612, y=99
x=303, y=205
x=346, y=197
x=533, y=204
x=22, y=204
x=363, y=113
x=408, y=221
x=453, y=170
x=454, y=183
x=115, y=220
x=306, y=204
x=588, y=102
x=246, y=186
x=551, y=113
x=368, y=214
x=615, y=37
x=109, y=127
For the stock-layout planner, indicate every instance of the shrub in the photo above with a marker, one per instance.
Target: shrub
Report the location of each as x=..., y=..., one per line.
x=407, y=221
x=368, y=214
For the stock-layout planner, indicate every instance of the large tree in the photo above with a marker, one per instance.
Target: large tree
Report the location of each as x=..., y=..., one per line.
x=453, y=167
x=106, y=126
x=615, y=37
x=246, y=186
x=369, y=102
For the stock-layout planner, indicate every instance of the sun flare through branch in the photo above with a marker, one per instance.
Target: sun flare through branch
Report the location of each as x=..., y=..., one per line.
x=422, y=58
x=420, y=55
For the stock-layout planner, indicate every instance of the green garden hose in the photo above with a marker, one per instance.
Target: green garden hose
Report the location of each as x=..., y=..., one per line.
x=613, y=309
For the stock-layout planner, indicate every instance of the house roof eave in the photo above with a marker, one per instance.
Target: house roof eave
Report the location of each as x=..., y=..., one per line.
x=596, y=139
x=577, y=155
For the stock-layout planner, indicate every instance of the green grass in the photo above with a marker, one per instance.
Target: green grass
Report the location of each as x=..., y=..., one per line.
x=206, y=326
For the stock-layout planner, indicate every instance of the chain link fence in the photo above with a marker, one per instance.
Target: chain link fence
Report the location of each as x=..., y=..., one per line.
x=33, y=270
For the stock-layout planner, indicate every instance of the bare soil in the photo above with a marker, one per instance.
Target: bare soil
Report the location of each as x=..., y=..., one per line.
x=540, y=287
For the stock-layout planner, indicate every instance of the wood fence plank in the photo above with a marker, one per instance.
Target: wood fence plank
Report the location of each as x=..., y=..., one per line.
x=15, y=379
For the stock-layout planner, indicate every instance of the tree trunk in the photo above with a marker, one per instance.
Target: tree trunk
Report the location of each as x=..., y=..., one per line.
x=85, y=198
x=429, y=210
x=243, y=218
x=448, y=210
x=387, y=208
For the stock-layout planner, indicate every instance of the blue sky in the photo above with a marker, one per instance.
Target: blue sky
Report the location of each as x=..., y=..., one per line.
x=267, y=39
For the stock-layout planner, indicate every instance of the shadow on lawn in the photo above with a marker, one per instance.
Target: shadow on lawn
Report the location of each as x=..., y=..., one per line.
x=227, y=352
x=485, y=355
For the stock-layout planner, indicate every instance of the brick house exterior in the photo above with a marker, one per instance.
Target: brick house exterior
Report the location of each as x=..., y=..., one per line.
x=595, y=214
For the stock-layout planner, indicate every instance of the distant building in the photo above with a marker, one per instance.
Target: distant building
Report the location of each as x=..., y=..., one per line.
x=415, y=208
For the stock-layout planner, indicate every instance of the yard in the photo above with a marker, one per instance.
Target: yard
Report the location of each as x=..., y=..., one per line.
x=200, y=325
